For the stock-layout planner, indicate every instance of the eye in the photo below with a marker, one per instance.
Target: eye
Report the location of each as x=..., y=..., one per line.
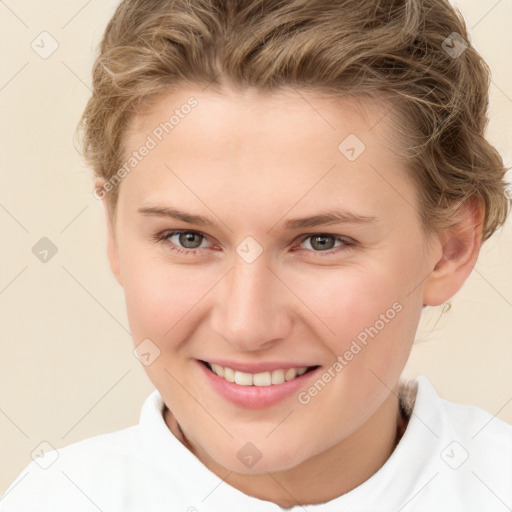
x=191, y=242
x=323, y=242
x=185, y=242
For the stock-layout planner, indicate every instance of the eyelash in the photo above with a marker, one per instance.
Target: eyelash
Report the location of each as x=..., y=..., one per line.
x=163, y=237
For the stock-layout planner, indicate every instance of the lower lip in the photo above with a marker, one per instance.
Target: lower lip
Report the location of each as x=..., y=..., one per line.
x=255, y=397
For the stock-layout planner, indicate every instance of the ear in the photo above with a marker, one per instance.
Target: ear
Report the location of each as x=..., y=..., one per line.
x=112, y=249
x=461, y=244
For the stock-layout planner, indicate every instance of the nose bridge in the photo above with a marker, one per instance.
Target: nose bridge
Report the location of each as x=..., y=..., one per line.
x=251, y=311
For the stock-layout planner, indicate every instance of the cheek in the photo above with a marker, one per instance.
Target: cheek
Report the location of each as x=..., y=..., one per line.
x=344, y=300
x=363, y=313
x=162, y=299
x=373, y=322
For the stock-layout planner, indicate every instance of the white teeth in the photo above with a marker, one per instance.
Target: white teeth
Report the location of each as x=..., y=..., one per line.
x=242, y=378
x=262, y=379
x=218, y=369
x=257, y=379
x=229, y=374
x=277, y=376
x=290, y=374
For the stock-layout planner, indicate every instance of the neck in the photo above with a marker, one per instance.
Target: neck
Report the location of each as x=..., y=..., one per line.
x=353, y=461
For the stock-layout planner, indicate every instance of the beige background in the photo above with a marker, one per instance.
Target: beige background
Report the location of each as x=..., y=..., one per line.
x=67, y=370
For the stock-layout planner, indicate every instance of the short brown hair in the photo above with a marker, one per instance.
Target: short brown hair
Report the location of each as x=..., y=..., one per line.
x=412, y=50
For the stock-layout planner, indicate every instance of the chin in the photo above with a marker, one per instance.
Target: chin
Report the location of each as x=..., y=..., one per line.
x=261, y=467
x=249, y=460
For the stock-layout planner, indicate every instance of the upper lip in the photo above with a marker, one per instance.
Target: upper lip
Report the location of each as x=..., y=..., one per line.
x=257, y=367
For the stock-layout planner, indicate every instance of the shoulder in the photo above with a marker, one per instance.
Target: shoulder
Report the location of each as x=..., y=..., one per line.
x=97, y=472
x=73, y=473
x=486, y=438
x=420, y=396
x=466, y=451
x=476, y=424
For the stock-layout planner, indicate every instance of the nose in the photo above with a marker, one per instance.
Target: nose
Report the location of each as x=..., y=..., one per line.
x=252, y=307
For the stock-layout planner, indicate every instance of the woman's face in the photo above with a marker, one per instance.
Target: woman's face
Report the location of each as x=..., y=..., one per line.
x=300, y=246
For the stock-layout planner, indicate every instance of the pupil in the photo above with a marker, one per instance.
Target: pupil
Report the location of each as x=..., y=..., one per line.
x=322, y=245
x=187, y=238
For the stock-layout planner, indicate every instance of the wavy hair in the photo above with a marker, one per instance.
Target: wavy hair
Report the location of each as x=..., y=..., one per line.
x=416, y=52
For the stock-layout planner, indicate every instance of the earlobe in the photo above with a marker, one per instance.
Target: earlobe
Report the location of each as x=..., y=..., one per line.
x=460, y=248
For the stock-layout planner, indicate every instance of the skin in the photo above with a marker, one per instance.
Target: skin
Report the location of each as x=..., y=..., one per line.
x=241, y=153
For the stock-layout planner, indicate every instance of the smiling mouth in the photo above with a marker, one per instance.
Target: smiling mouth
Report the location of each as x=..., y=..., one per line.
x=269, y=378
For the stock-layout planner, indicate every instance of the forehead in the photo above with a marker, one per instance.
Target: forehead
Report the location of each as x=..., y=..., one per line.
x=268, y=149
x=251, y=113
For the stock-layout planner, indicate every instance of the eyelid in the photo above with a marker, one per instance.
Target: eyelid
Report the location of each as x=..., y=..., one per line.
x=344, y=238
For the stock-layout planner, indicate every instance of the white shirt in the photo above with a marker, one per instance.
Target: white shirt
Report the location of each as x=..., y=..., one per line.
x=451, y=458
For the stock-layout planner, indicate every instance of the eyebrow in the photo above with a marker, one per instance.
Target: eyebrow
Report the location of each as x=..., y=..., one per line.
x=321, y=219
